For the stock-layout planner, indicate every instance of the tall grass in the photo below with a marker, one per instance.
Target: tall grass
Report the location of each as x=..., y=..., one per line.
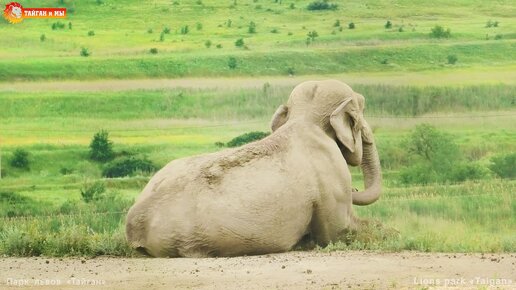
x=250, y=103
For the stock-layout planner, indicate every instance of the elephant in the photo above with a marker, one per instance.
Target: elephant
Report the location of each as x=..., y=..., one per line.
x=266, y=196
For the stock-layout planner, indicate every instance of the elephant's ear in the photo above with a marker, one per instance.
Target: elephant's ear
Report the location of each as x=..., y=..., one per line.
x=279, y=118
x=343, y=121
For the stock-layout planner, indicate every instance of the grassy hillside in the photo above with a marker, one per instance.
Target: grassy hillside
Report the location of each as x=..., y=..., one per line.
x=118, y=36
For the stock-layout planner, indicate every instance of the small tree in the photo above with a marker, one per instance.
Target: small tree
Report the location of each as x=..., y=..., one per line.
x=20, y=159
x=312, y=35
x=388, y=25
x=101, y=148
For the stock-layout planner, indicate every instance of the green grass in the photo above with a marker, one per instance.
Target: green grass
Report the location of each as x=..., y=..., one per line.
x=467, y=217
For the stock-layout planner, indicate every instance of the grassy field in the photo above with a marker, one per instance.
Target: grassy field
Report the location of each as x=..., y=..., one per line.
x=404, y=73
x=281, y=27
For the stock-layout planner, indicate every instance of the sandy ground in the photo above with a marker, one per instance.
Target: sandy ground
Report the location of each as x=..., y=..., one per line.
x=294, y=270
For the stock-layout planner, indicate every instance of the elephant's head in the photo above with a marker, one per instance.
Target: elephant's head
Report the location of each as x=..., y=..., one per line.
x=339, y=111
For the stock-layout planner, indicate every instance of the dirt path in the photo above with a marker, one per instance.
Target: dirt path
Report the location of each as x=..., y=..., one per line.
x=295, y=270
x=449, y=77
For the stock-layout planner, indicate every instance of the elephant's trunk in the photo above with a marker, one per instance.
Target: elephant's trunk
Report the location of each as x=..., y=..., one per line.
x=372, y=176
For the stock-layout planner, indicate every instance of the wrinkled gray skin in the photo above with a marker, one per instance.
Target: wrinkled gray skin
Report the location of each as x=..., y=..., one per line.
x=266, y=196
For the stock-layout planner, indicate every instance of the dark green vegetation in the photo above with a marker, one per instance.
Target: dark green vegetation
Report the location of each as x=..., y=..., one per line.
x=246, y=138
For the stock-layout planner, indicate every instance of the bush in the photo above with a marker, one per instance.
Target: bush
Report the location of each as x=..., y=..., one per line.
x=491, y=23
x=128, y=166
x=388, y=24
x=101, y=148
x=207, y=43
x=252, y=27
x=452, y=59
x=337, y=23
x=504, y=165
x=436, y=158
x=162, y=36
x=312, y=35
x=20, y=159
x=42, y=37
x=247, y=138
x=185, y=29
x=85, y=52
x=351, y=25
x=239, y=42
x=58, y=25
x=274, y=30
x=166, y=30
x=91, y=192
x=439, y=32
x=153, y=50
x=91, y=33
x=321, y=5
x=198, y=26
x=232, y=63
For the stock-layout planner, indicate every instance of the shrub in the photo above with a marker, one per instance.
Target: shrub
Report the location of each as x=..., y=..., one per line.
x=491, y=23
x=42, y=37
x=153, y=50
x=162, y=36
x=351, y=25
x=400, y=29
x=252, y=27
x=127, y=167
x=239, y=42
x=101, y=148
x=85, y=52
x=439, y=32
x=337, y=23
x=91, y=33
x=292, y=6
x=388, y=24
x=20, y=159
x=274, y=30
x=93, y=191
x=246, y=138
x=228, y=23
x=150, y=30
x=58, y=25
x=166, y=30
x=436, y=158
x=232, y=63
x=452, y=59
x=185, y=29
x=290, y=71
x=321, y=5
x=504, y=165
x=312, y=35
x=198, y=26
x=69, y=25
x=218, y=45
x=65, y=171
x=207, y=43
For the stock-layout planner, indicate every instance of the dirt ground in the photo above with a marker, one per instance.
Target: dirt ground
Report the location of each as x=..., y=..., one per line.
x=294, y=270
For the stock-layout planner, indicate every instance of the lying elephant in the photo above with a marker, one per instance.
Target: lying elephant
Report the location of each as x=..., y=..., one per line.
x=265, y=196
